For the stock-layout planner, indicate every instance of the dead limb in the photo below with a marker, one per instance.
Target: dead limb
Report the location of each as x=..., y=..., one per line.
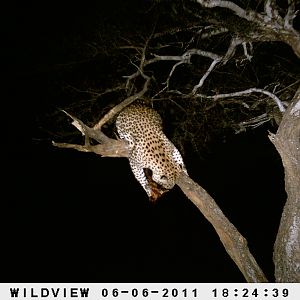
x=107, y=147
x=234, y=243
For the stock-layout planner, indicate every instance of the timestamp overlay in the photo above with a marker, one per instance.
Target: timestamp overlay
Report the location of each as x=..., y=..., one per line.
x=149, y=291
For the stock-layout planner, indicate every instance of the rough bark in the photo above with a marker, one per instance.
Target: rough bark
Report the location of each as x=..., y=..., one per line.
x=287, y=246
x=234, y=243
x=107, y=147
x=267, y=26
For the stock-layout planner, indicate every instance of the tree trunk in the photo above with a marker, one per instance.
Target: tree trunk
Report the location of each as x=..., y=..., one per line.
x=287, y=246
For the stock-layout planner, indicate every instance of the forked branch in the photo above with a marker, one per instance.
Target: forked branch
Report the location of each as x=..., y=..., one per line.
x=270, y=23
x=234, y=243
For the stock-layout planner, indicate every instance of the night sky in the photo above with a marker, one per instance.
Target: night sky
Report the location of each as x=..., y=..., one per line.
x=75, y=217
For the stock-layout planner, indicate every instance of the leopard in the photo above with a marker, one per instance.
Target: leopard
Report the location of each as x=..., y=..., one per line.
x=154, y=160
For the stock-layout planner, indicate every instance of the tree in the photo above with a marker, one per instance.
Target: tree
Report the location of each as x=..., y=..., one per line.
x=176, y=62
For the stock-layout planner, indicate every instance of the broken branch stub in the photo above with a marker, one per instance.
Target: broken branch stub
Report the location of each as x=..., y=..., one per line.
x=107, y=147
x=234, y=243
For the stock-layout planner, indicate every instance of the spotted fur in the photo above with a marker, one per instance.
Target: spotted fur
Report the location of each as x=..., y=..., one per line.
x=149, y=148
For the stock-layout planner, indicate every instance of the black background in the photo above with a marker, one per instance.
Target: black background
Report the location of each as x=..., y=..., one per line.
x=76, y=217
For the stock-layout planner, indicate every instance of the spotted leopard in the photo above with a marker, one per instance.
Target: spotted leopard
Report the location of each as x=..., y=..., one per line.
x=154, y=160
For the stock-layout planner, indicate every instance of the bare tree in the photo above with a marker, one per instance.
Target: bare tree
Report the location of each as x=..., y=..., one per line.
x=272, y=23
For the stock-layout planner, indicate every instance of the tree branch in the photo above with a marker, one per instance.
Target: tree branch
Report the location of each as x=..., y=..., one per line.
x=234, y=243
x=246, y=92
x=287, y=246
x=272, y=27
x=201, y=82
x=271, y=10
x=254, y=122
x=248, y=15
x=107, y=147
x=115, y=110
x=290, y=15
x=140, y=72
x=183, y=59
x=111, y=148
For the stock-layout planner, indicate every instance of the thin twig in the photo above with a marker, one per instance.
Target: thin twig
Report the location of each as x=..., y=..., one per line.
x=201, y=82
x=246, y=92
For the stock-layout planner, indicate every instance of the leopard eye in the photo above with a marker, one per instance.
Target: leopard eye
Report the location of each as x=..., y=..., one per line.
x=163, y=177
